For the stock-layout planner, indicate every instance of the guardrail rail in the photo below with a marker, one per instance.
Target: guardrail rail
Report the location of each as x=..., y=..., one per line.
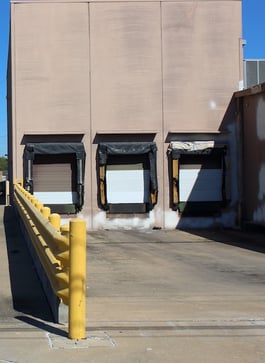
x=62, y=254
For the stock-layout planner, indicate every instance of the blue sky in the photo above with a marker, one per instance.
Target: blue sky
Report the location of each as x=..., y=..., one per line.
x=4, y=29
x=253, y=32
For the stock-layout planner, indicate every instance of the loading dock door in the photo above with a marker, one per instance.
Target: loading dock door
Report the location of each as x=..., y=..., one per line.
x=197, y=183
x=127, y=183
x=54, y=173
x=127, y=177
x=198, y=177
x=53, y=183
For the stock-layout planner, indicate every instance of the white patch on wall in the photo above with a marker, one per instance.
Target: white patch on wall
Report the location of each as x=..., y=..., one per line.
x=227, y=220
x=261, y=119
x=212, y=105
x=232, y=169
x=259, y=214
x=101, y=221
x=261, y=194
x=171, y=219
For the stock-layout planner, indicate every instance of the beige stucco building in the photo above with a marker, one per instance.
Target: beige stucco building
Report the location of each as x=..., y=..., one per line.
x=118, y=109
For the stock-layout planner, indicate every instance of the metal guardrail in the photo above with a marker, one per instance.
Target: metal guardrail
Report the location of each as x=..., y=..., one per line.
x=62, y=253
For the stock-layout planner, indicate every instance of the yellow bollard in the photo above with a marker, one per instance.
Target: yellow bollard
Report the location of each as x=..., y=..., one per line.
x=46, y=212
x=55, y=220
x=77, y=280
x=39, y=205
x=32, y=199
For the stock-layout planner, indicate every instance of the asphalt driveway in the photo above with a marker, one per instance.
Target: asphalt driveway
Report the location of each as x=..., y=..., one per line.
x=156, y=277
x=152, y=296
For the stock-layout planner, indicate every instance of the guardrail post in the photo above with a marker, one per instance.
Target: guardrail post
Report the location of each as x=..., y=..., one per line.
x=39, y=205
x=55, y=220
x=46, y=212
x=77, y=280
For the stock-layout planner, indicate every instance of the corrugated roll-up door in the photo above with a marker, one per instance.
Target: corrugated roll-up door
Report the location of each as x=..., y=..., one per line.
x=54, y=172
x=53, y=183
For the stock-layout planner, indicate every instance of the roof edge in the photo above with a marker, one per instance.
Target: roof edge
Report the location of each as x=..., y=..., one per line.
x=251, y=91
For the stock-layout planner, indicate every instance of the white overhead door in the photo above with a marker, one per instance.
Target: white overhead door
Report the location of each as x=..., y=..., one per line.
x=127, y=183
x=199, y=184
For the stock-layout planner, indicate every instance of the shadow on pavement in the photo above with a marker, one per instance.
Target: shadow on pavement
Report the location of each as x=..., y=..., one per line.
x=43, y=326
x=247, y=239
x=27, y=293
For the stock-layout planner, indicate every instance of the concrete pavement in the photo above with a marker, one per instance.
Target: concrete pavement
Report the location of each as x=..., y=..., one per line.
x=152, y=296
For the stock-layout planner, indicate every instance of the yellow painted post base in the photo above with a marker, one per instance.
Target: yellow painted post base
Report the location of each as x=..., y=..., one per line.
x=77, y=280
